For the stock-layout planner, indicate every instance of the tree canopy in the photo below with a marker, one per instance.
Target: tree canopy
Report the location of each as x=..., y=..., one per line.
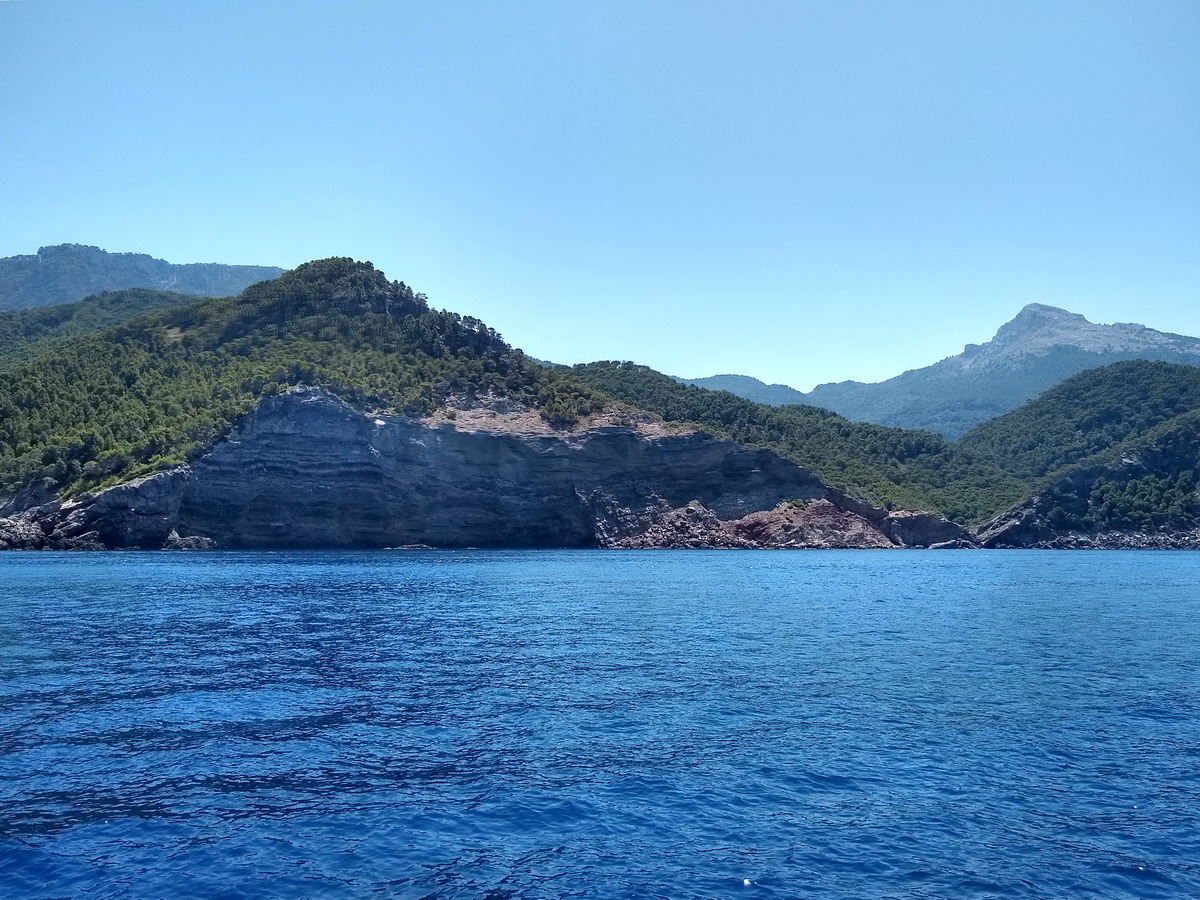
x=126, y=383
x=153, y=391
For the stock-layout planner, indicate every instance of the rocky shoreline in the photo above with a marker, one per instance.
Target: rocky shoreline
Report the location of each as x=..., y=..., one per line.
x=1113, y=540
x=304, y=470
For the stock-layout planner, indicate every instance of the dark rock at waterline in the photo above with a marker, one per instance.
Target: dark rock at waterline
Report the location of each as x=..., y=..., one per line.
x=920, y=529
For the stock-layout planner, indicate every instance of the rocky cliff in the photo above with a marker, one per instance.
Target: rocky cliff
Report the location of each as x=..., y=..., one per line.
x=304, y=470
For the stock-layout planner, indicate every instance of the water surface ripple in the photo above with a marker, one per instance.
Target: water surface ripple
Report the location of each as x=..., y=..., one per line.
x=594, y=724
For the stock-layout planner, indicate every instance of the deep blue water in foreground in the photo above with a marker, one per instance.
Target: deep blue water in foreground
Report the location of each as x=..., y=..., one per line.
x=594, y=724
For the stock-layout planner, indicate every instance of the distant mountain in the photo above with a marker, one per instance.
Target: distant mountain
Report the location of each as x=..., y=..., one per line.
x=68, y=272
x=751, y=389
x=1039, y=348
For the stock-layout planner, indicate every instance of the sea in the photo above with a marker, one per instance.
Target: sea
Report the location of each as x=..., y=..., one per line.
x=628, y=724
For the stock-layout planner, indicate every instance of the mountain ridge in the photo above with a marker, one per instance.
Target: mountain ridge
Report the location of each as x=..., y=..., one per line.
x=64, y=273
x=1040, y=347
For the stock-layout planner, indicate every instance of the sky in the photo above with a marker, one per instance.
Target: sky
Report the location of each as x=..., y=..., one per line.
x=799, y=191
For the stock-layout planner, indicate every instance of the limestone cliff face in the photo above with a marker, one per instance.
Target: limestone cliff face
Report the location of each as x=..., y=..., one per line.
x=308, y=471
x=305, y=470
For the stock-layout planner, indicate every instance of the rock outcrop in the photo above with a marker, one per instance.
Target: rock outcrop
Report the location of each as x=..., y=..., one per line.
x=800, y=525
x=820, y=523
x=1022, y=526
x=304, y=470
x=921, y=529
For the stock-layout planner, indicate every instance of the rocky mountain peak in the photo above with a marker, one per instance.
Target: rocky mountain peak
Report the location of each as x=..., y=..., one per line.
x=1043, y=314
x=1038, y=329
x=1039, y=319
x=1037, y=349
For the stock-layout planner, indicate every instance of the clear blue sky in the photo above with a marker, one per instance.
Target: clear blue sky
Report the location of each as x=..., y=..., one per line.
x=800, y=191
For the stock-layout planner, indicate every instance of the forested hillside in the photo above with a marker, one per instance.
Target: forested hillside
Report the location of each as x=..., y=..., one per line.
x=85, y=402
x=1154, y=488
x=28, y=332
x=1115, y=449
x=150, y=393
x=1091, y=414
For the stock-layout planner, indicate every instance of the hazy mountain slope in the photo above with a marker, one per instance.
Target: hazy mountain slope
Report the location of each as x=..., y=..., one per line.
x=27, y=332
x=751, y=389
x=904, y=468
x=68, y=272
x=1035, y=351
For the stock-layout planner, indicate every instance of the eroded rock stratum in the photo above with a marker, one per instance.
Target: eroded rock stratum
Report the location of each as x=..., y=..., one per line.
x=304, y=470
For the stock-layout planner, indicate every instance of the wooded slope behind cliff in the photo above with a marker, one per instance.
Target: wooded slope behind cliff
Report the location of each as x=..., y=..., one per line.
x=153, y=392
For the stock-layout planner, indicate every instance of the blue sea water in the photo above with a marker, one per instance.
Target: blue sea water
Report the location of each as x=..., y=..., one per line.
x=600, y=724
